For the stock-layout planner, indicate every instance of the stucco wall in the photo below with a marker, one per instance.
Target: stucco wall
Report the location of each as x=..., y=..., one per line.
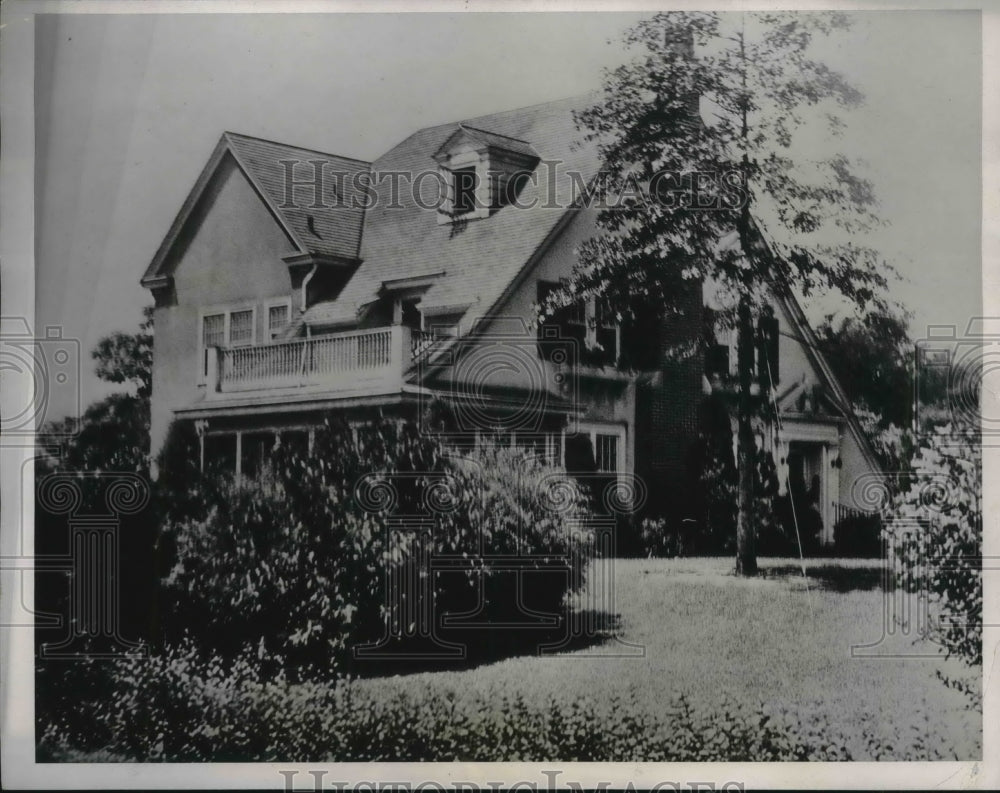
x=229, y=253
x=602, y=400
x=854, y=469
x=794, y=364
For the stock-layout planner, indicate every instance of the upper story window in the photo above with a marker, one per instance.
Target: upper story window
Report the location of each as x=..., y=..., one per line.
x=464, y=190
x=225, y=327
x=589, y=323
x=606, y=332
x=278, y=317
x=481, y=171
x=241, y=328
x=721, y=346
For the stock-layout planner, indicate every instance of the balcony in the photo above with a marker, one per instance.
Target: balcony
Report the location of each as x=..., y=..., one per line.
x=335, y=362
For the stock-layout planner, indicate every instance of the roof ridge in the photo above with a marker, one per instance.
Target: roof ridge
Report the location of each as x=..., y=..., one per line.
x=243, y=135
x=491, y=132
x=466, y=122
x=560, y=100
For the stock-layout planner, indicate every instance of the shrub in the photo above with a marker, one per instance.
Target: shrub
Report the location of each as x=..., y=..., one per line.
x=185, y=707
x=656, y=540
x=858, y=535
x=937, y=533
x=299, y=564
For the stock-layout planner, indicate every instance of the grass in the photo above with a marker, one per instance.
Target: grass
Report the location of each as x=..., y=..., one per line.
x=688, y=626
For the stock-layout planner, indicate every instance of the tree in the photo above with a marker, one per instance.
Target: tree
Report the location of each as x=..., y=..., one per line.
x=874, y=362
x=682, y=199
x=113, y=433
x=128, y=357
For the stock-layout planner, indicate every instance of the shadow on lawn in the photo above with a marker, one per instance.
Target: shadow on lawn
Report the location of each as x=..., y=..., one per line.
x=470, y=647
x=835, y=578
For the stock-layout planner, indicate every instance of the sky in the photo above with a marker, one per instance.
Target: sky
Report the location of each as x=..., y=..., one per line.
x=129, y=107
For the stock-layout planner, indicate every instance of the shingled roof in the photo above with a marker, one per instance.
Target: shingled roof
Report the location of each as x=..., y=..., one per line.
x=332, y=229
x=479, y=258
x=337, y=224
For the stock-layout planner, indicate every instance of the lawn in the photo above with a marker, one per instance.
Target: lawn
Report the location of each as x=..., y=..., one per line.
x=688, y=626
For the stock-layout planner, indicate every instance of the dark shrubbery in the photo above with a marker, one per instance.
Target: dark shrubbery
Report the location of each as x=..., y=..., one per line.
x=295, y=565
x=858, y=535
x=657, y=540
x=181, y=707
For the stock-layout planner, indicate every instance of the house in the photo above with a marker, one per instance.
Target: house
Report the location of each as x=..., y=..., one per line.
x=293, y=283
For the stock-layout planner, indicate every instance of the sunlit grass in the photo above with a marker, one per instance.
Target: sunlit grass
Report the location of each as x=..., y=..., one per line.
x=688, y=626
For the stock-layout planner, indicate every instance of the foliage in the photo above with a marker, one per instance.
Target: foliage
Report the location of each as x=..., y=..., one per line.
x=700, y=181
x=183, y=707
x=756, y=83
x=874, y=362
x=674, y=607
x=858, y=535
x=714, y=490
x=113, y=433
x=656, y=540
x=937, y=533
x=128, y=357
x=296, y=564
x=894, y=445
x=111, y=437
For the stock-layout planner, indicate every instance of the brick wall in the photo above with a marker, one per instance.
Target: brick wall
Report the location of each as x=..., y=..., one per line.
x=667, y=409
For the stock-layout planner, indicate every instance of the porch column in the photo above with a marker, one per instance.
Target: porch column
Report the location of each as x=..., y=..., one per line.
x=781, y=465
x=826, y=494
x=239, y=454
x=200, y=426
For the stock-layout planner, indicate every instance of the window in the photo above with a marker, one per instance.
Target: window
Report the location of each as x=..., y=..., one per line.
x=607, y=442
x=589, y=322
x=464, y=186
x=565, y=324
x=225, y=328
x=598, y=452
x=241, y=328
x=410, y=314
x=606, y=453
x=719, y=347
x=277, y=320
x=605, y=332
x=213, y=334
x=546, y=446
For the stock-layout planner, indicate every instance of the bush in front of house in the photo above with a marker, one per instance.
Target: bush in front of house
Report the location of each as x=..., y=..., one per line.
x=657, y=540
x=858, y=535
x=936, y=532
x=183, y=706
x=312, y=558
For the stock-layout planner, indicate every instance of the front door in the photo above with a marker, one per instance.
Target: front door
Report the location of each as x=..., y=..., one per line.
x=805, y=490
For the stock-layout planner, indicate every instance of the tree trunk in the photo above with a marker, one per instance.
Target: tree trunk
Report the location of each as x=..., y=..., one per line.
x=746, y=554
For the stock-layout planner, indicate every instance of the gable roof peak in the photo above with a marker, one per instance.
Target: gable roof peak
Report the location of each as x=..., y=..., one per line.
x=485, y=139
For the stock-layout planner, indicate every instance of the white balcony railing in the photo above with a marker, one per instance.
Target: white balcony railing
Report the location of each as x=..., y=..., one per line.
x=338, y=360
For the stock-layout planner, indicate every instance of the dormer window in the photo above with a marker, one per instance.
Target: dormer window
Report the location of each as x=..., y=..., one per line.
x=464, y=190
x=482, y=172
